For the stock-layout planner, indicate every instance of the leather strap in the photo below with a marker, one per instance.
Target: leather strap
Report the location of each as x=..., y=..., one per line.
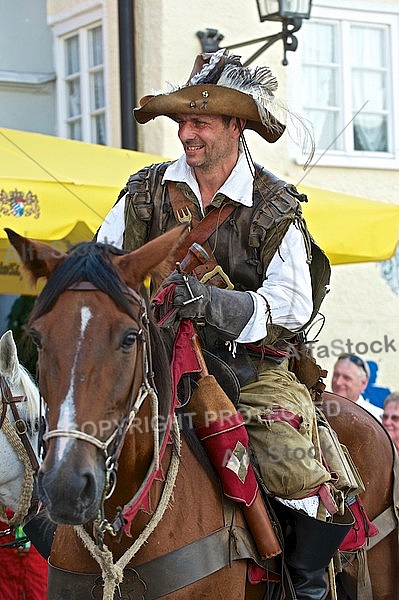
x=183, y=210
x=202, y=229
x=20, y=426
x=179, y=568
x=7, y=398
x=209, y=224
x=386, y=522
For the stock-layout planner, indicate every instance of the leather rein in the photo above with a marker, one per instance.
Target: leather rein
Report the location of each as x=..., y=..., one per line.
x=20, y=425
x=15, y=433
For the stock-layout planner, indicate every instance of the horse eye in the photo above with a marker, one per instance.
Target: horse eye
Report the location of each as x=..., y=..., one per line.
x=129, y=339
x=35, y=338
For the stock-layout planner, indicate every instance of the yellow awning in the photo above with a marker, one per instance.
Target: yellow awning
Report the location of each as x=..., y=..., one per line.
x=351, y=229
x=59, y=191
x=56, y=190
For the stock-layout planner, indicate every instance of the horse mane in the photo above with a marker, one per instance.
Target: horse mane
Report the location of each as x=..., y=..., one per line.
x=160, y=367
x=87, y=261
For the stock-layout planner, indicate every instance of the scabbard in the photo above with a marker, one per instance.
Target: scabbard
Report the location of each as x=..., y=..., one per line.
x=222, y=431
x=259, y=523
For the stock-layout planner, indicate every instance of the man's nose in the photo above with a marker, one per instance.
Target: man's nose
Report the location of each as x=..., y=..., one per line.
x=186, y=130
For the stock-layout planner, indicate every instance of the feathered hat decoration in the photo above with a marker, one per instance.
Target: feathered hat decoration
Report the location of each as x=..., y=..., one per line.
x=220, y=85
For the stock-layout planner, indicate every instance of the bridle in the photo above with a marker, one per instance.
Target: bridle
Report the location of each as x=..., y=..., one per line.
x=17, y=436
x=112, y=447
x=20, y=425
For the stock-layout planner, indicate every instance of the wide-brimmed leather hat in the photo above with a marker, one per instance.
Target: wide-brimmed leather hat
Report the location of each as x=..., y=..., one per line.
x=220, y=85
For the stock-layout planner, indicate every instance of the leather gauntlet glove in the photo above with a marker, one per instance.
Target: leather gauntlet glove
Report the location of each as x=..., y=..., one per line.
x=226, y=311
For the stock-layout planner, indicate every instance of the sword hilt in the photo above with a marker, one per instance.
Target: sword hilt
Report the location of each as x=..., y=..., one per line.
x=196, y=255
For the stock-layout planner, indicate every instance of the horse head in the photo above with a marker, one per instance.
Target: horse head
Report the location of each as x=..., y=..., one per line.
x=94, y=335
x=19, y=431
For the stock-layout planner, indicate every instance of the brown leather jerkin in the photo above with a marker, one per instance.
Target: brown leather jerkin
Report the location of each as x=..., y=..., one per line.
x=201, y=230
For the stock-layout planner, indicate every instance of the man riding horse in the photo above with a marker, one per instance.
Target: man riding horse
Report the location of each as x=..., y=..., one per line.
x=267, y=287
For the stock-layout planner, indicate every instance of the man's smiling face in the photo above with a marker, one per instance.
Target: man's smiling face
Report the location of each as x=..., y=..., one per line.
x=207, y=139
x=348, y=380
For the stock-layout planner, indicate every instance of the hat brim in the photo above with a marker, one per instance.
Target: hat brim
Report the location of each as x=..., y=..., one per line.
x=209, y=99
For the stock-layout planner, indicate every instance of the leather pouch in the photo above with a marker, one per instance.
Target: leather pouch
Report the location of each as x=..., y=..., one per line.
x=344, y=472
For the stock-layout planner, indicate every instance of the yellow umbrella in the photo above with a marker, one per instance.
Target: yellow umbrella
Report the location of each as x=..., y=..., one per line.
x=351, y=229
x=56, y=190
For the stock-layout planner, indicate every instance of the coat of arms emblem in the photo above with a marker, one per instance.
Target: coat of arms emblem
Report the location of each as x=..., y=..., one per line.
x=17, y=204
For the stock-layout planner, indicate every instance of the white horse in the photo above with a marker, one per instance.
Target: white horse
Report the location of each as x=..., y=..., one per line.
x=17, y=474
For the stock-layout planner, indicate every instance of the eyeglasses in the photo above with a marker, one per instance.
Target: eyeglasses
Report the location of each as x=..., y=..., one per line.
x=394, y=418
x=356, y=360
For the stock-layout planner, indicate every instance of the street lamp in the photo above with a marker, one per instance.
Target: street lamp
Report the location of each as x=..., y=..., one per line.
x=289, y=12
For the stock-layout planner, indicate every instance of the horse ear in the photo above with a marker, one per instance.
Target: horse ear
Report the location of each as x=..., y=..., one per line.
x=155, y=258
x=8, y=353
x=39, y=259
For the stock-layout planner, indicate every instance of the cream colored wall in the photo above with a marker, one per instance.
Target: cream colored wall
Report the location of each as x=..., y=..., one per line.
x=58, y=6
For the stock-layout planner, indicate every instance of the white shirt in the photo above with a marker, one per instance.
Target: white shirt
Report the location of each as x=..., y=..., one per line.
x=287, y=285
x=374, y=410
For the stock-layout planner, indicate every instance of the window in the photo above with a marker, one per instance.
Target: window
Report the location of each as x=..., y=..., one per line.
x=348, y=71
x=82, y=101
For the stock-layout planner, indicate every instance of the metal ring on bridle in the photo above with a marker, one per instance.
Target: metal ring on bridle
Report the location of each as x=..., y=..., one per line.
x=111, y=484
x=20, y=426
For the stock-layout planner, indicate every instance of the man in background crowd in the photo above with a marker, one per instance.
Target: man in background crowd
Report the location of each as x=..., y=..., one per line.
x=350, y=377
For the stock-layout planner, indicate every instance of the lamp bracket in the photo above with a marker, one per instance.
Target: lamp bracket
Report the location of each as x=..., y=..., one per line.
x=210, y=39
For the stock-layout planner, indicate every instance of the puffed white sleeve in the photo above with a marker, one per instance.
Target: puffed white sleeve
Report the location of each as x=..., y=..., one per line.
x=113, y=228
x=285, y=297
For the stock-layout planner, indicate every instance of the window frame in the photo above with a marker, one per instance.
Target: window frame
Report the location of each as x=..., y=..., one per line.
x=80, y=25
x=359, y=13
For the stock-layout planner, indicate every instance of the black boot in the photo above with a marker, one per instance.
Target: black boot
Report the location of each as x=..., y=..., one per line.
x=307, y=584
x=309, y=546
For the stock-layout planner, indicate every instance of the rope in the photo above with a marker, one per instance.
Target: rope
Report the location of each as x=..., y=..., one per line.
x=27, y=483
x=112, y=573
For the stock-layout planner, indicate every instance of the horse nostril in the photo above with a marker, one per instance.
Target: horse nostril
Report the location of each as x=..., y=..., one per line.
x=88, y=489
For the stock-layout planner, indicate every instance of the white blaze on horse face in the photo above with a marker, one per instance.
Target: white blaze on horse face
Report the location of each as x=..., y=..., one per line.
x=85, y=318
x=67, y=416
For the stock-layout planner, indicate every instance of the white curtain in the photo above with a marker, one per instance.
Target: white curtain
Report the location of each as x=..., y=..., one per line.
x=368, y=78
x=320, y=93
x=330, y=58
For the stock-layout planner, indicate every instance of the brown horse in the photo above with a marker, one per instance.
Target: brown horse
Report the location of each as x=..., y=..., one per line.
x=102, y=365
